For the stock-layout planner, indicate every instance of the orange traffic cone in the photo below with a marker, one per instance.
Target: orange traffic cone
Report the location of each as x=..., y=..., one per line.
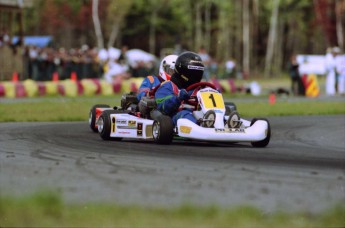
x=55, y=77
x=15, y=77
x=74, y=76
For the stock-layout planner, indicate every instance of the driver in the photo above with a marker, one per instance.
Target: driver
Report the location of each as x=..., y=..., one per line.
x=171, y=94
x=166, y=69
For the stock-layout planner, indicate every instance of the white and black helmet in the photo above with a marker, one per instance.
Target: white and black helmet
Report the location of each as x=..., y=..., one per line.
x=189, y=69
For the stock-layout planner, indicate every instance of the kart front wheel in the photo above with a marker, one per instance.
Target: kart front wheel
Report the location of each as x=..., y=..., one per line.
x=266, y=140
x=105, y=123
x=234, y=120
x=92, y=116
x=162, y=130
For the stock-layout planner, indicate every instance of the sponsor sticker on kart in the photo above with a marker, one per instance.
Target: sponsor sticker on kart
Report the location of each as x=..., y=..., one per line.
x=185, y=129
x=229, y=130
x=132, y=123
x=140, y=129
x=121, y=122
x=126, y=127
x=113, y=121
x=124, y=124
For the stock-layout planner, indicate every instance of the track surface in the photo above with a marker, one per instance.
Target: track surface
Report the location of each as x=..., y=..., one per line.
x=303, y=167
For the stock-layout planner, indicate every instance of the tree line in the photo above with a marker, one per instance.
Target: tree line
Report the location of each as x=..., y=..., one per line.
x=260, y=35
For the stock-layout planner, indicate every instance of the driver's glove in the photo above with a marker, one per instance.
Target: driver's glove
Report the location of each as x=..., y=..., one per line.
x=183, y=95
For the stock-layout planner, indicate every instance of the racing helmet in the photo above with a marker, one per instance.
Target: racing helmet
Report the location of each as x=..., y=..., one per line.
x=167, y=66
x=189, y=69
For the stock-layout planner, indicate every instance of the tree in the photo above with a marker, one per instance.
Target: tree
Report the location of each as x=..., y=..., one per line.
x=117, y=10
x=272, y=38
x=97, y=24
x=326, y=18
x=246, y=37
x=340, y=22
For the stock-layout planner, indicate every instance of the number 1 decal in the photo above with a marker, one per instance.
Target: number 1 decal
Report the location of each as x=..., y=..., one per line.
x=212, y=99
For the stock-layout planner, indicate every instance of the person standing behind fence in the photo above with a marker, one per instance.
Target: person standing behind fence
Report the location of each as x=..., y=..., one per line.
x=297, y=87
x=340, y=66
x=331, y=77
x=230, y=69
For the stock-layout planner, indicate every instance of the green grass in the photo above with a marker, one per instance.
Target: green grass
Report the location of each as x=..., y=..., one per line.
x=77, y=109
x=285, y=108
x=46, y=209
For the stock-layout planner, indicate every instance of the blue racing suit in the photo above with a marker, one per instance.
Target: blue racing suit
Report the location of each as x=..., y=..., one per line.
x=169, y=99
x=148, y=84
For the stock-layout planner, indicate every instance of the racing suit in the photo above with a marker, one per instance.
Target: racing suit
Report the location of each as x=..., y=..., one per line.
x=149, y=83
x=170, y=98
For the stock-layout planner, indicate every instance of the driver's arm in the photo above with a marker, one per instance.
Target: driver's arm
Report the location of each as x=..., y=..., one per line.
x=167, y=98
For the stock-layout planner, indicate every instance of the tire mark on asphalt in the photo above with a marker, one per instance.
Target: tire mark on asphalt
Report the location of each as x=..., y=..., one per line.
x=41, y=154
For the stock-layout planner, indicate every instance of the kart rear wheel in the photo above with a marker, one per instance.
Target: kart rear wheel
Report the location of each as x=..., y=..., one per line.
x=92, y=116
x=105, y=124
x=265, y=141
x=162, y=130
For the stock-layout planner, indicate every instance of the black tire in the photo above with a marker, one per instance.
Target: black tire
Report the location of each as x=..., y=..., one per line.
x=163, y=130
x=104, y=127
x=265, y=141
x=92, y=116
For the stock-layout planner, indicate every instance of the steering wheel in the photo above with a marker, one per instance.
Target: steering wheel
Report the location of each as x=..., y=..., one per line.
x=193, y=100
x=201, y=85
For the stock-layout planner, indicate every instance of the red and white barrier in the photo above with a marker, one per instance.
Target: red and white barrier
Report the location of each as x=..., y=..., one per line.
x=70, y=88
x=84, y=87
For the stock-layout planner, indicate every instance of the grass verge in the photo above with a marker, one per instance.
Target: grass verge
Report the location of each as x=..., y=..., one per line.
x=77, y=109
x=46, y=209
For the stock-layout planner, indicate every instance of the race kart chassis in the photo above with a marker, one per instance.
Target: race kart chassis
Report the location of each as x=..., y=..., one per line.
x=218, y=121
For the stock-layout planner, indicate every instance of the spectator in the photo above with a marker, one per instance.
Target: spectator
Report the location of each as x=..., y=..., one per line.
x=331, y=78
x=41, y=63
x=123, y=59
x=59, y=61
x=116, y=72
x=33, y=62
x=87, y=62
x=230, y=68
x=5, y=38
x=102, y=60
x=213, y=68
x=297, y=87
x=340, y=66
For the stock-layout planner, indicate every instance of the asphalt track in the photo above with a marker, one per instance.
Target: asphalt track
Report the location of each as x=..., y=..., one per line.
x=302, y=169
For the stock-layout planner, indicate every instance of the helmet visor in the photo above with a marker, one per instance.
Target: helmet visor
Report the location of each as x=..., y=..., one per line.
x=168, y=69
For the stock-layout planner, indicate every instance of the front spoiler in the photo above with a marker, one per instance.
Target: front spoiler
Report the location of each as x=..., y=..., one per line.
x=256, y=132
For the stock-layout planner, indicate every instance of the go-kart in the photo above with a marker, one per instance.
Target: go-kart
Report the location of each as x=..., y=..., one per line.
x=217, y=121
